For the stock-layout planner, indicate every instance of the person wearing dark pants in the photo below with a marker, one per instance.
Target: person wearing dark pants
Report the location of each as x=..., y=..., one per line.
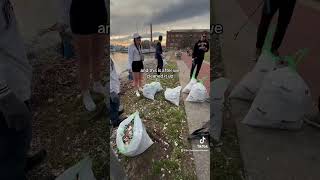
x=15, y=95
x=158, y=56
x=114, y=96
x=286, y=8
x=199, y=50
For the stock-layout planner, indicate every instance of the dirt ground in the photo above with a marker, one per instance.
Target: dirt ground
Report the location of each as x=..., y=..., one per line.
x=166, y=125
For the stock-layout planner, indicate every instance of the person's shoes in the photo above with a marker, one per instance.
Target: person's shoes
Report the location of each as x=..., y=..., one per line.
x=98, y=88
x=140, y=89
x=35, y=160
x=137, y=94
x=258, y=53
x=88, y=101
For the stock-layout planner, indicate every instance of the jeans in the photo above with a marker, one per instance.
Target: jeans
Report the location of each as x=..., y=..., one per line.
x=196, y=62
x=14, y=146
x=285, y=8
x=114, y=107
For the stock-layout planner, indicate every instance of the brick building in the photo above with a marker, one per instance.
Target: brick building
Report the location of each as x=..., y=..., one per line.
x=181, y=39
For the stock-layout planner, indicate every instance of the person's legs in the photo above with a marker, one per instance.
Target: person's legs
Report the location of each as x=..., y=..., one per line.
x=285, y=13
x=193, y=67
x=99, y=42
x=136, y=80
x=199, y=64
x=14, y=146
x=83, y=49
x=160, y=65
x=266, y=17
x=114, y=108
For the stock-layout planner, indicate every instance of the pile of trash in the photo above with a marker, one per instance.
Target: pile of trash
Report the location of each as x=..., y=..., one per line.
x=128, y=133
x=132, y=138
x=196, y=90
x=281, y=98
x=149, y=90
x=173, y=95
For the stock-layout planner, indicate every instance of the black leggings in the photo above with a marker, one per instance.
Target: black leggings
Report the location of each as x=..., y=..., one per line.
x=285, y=8
x=160, y=65
x=197, y=62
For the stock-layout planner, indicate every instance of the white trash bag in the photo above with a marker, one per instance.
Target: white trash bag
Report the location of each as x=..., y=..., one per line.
x=140, y=139
x=188, y=87
x=282, y=102
x=198, y=93
x=249, y=86
x=82, y=170
x=149, y=90
x=173, y=95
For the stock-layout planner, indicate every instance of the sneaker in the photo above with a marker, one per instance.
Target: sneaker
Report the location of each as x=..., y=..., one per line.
x=99, y=88
x=137, y=93
x=140, y=89
x=88, y=101
x=35, y=160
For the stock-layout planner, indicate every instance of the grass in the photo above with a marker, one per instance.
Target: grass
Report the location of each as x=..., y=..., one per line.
x=165, y=123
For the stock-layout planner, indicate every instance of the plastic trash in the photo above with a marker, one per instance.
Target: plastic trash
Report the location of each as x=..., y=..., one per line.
x=140, y=140
x=82, y=170
x=149, y=90
x=192, y=82
x=198, y=93
x=282, y=102
x=249, y=86
x=173, y=95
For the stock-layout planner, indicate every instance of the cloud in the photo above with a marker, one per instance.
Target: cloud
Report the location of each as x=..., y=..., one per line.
x=132, y=16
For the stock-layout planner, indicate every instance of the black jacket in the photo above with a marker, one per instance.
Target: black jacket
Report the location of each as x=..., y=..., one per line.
x=198, y=53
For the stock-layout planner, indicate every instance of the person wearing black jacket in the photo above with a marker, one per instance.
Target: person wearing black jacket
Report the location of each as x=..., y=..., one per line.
x=286, y=8
x=200, y=48
x=158, y=55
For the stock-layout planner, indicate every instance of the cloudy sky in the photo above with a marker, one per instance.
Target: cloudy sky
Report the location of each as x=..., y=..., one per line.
x=131, y=16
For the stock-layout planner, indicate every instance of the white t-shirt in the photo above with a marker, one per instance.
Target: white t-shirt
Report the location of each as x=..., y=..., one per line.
x=133, y=55
x=15, y=70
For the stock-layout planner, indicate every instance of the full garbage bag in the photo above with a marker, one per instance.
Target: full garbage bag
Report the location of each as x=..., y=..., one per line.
x=82, y=170
x=140, y=139
x=249, y=86
x=149, y=90
x=198, y=93
x=282, y=102
x=173, y=95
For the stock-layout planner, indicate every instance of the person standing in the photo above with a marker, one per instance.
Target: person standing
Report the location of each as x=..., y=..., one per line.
x=135, y=65
x=199, y=50
x=286, y=8
x=84, y=18
x=114, y=95
x=15, y=95
x=158, y=55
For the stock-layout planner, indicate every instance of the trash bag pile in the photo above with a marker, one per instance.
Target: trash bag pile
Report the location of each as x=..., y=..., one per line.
x=198, y=93
x=188, y=87
x=282, y=102
x=136, y=143
x=249, y=86
x=149, y=90
x=173, y=95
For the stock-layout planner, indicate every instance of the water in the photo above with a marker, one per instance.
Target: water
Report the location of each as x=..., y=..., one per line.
x=121, y=61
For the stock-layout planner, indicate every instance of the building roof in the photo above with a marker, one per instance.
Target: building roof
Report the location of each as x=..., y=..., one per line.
x=190, y=30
